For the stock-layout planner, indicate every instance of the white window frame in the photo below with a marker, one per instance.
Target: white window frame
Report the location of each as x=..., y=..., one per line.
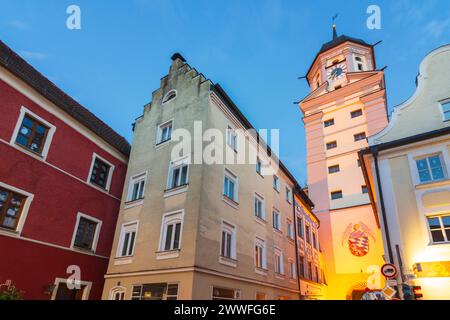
x=276, y=213
x=288, y=193
x=290, y=229
x=292, y=269
x=110, y=172
x=232, y=229
x=164, y=100
x=262, y=244
x=48, y=140
x=26, y=207
x=231, y=176
x=86, y=292
x=263, y=207
x=258, y=166
x=96, y=234
x=125, y=228
x=137, y=178
x=174, y=164
x=441, y=107
x=362, y=62
x=442, y=228
x=159, y=131
x=232, y=136
x=277, y=253
x=276, y=185
x=427, y=156
x=167, y=219
x=115, y=290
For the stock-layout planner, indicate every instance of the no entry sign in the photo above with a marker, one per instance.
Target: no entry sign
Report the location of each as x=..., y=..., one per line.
x=389, y=270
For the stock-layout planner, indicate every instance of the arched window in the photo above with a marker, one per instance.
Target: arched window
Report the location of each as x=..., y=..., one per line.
x=172, y=94
x=117, y=293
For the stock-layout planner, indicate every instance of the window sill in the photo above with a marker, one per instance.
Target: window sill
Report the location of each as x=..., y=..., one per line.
x=292, y=240
x=259, y=174
x=278, y=231
x=439, y=244
x=97, y=186
x=177, y=190
x=28, y=150
x=9, y=231
x=170, y=254
x=278, y=191
x=162, y=143
x=279, y=276
x=84, y=250
x=123, y=260
x=432, y=184
x=260, y=220
x=261, y=271
x=230, y=202
x=230, y=262
x=133, y=203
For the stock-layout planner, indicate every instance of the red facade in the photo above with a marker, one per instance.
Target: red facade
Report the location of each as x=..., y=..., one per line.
x=39, y=250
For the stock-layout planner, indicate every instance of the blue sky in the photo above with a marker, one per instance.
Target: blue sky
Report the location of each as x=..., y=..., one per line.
x=255, y=49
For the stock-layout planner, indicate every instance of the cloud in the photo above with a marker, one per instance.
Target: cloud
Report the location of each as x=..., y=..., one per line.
x=32, y=55
x=437, y=28
x=17, y=24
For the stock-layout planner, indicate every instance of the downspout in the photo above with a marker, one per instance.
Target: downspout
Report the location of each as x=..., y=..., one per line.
x=297, y=265
x=383, y=209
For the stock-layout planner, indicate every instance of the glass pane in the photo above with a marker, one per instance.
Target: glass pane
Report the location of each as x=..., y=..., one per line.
x=222, y=250
x=184, y=175
x=3, y=195
x=175, y=177
x=134, y=195
x=131, y=247
x=228, y=252
x=27, y=122
x=22, y=140
x=446, y=107
x=424, y=175
x=172, y=290
x=437, y=236
x=153, y=291
x=176, y=240
x=25, y=131
x=12, y=212
x=438, y=173
x=168, y=237
x=9, y=222
x=446, y=222
x=231, y=191
x=422, y=164
x=434, y=223
x=223, y=293
x=225, y=186
x=141, y=190
x=447, y=232
x=125, y=244
x=41, y=129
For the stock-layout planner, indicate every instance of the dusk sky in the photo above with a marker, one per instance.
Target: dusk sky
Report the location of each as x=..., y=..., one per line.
x=256, y=49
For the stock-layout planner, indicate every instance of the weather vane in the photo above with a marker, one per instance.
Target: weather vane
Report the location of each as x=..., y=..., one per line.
x=334, y=18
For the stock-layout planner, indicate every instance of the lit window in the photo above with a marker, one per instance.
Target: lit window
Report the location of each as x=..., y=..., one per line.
x=331, y=145
x=136, y=187
x=230, y=186
x=164, y=132
x=278, y=255
x=430, y=168
x=336, y=195
x=259, y=209
x=100, y=173
x=178, y=173
x=359, y=136
x=171, y=231
x=446, y=110
x=155, y=291
x=127, y=240
x=328, y=123
x=260, y=254
x=439, y=228
x=228, y=243
x=333, y=169
x=276, y=220
x=232, y=138
x=32, y=134
x=11, y=206
x=356, y=113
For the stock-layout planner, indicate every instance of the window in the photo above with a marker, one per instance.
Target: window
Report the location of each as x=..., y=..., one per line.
x=228, y=243
x=259, y=207
x=328, y=123
x=359, y=63
x=101, y=172
x=288, y=195
x=276, y=220
x=11, y=207
x=127, y=240
x=172, y=94
x=136, y=187
x=260, y=254
x=171, y=231
x=333, y=169
x=117, y=293
x=164, y=132
x=314, y=239
x=356, y=113
x=364, y=189
x=358, y=162
x=430, y=168
x=32, y=134
x=439, y=228
x=258, y=166
x=230, y=186
x=446, y=110
x=307, y=233
x=301, y=262
x=292, y=274
x=290, y=231
x=331, y=145
x=336, y=195
x=300, y=232
x=359, y=136
x=309, y=270
x=278, y=255
x=276, y=183
x=155, y=291
x=86, y=232
x=316, y=273
x=178, y=173
x=232, y=138
x=225, y=294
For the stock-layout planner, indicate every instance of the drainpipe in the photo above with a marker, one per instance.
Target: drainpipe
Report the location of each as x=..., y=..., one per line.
x=294, y=222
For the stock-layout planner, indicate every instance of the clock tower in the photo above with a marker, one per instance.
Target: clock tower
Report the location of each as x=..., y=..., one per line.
x=346, y=104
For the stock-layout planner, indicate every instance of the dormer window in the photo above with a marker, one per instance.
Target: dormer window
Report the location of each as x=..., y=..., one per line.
x=172, y=94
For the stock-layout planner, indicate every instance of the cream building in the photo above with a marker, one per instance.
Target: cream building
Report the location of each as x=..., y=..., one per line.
x=346, y=104
x=408, y=167
x=192, y=230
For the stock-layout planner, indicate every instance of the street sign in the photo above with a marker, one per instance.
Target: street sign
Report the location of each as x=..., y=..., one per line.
x=389, y=270
x=389, y=292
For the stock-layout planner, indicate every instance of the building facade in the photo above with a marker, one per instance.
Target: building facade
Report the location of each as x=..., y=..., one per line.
x=346, y=104
x=61, y=178
x=193, y=229
x=408, y=167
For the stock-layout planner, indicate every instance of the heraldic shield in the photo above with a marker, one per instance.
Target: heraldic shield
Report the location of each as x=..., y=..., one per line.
x=357, y=237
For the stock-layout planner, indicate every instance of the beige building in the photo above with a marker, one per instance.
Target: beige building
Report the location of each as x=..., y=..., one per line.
x=189, y=229
x=408, y=167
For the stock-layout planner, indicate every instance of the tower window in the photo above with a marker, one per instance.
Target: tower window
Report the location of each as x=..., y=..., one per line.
x=331, y=145
x=359, y=63
x=336, y=195
x=333, y=169
x=328, y=123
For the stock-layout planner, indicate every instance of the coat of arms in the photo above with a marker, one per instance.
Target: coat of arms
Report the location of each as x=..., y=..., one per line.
x=357, y=237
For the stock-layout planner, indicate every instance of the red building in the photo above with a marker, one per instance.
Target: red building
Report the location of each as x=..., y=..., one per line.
x=62, y=172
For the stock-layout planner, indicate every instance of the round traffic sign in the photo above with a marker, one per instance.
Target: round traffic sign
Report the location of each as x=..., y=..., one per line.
x=389, y=270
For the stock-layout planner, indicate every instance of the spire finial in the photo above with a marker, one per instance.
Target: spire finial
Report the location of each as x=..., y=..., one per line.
x=334, y=26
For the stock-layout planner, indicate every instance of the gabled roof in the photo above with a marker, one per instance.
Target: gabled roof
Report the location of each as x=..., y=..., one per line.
x=23, y=70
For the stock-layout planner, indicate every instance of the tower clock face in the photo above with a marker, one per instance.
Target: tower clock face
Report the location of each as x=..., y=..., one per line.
x=337, y=71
